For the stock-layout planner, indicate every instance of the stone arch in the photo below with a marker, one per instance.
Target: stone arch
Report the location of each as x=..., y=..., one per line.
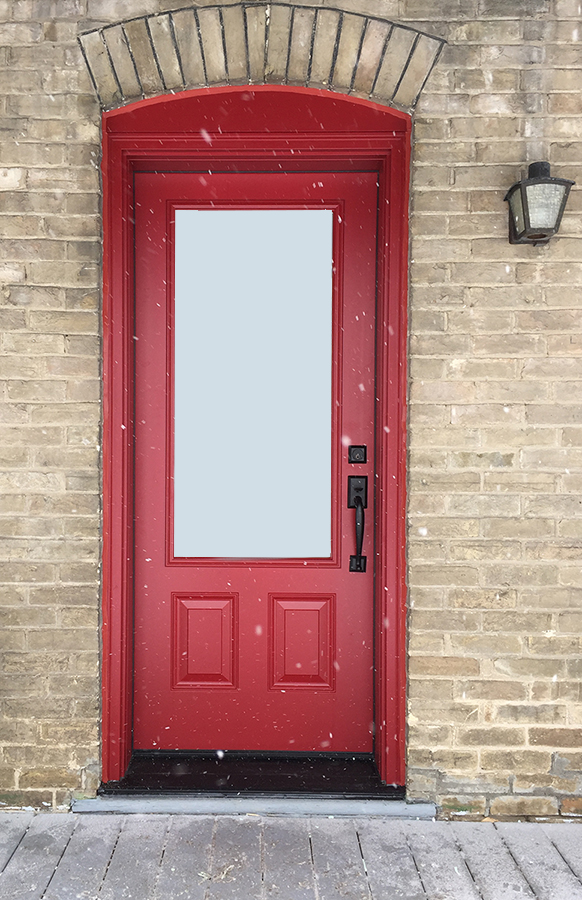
x=256, y=43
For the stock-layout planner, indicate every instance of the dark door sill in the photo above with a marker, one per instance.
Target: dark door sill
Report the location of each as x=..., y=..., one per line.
x=352, y=776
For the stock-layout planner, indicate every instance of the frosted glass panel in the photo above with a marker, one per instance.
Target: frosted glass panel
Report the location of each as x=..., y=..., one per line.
x=544, y=204
x=252, y=383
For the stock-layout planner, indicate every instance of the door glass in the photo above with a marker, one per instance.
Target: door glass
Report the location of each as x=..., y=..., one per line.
x=252, y=383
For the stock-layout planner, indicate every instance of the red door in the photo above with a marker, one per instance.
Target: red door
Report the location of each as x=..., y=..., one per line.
x=251, y=632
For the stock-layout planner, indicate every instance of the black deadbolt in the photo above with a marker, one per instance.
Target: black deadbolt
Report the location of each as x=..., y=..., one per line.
x=357, y=453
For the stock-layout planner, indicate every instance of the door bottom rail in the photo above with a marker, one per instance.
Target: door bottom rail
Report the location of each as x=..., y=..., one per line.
x=239, y=773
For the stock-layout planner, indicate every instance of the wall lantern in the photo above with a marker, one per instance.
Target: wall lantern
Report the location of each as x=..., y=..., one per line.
x=536, y=204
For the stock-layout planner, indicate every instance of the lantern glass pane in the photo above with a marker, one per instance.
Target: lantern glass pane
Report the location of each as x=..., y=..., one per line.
x=516, y=205
x=544, y=202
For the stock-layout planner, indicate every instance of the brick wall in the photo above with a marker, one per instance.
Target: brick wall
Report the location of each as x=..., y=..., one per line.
x=495, y=711
x=50, y=409
x=495, y=420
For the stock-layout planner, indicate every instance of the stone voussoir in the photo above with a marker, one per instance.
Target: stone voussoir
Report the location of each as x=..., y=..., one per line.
x=352, y=53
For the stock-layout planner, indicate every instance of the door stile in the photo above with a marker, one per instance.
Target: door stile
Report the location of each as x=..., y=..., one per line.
x=390, y=687
x=117, y=449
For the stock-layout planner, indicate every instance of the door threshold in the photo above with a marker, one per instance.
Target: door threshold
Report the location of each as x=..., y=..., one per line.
x=254, y=805
x=238, y=774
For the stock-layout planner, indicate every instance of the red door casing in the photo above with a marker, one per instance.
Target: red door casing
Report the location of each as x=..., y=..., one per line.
x=254, y=654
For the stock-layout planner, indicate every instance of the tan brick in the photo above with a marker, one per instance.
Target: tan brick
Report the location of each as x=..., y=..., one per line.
x=493, y=735
x=523, y=575
x=444, y=526
x=571, y=806
x=447, y=666
x=487, y=413
x=489, y=690
x=137, y=35
x=516, y=760
x=541, y=691
x=324, y=46
x=540, y=414
x=39, y=708
x=445, y=575
x=476, y=550
x=483, y=504
x=65, y=504
x=556, y=737
x=71, y=733
x=574, y=710
x=418, y=67
x=72, y=686
x=62, y=639
x=426, y=643
x=26, y=617
x=81, y=573
x=39, y=778
x=431, y=712
x=430, y=690
x=395, y=57
x=427, y=598
x=570, y=576
x=516, y=621
x=278, y=44
x=424, y=550
x=491, y=645
x=430, y=735
x=65, y=413
x=443, y=620
x=530, y=668
x=552, y=505
x=556, y=550
x=118, y=48
x=570, y=622
x=160, y=28
x=461, y=481
x=349, y=44
x=512, y=392
x=36, y=391
x=571, y=691
x=300, y=47
x=454, y=759
x=463, y=807
x=256, y=29
x=517, y=528
x=524, y=806
x=518, y=345
x=528, y=714
x=13, y=503
x=79, y=617
x=468, y=598
x=444, y=436
x=28, y=799
x=550, y=644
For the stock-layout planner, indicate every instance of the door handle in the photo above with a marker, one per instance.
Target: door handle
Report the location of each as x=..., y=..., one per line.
x=358, y=500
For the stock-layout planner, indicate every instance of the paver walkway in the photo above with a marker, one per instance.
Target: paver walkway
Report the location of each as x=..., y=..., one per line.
x=120, y=857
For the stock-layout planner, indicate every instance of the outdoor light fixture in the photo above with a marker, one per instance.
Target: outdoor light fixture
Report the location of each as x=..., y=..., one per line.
x=536, y=204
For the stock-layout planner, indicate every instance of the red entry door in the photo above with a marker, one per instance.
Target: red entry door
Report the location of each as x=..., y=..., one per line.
x=255, y=303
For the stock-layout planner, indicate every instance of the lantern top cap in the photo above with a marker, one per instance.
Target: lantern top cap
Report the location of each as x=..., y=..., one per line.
x=539, y=170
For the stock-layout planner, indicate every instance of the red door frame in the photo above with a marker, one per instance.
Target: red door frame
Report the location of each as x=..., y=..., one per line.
x=153, y=135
